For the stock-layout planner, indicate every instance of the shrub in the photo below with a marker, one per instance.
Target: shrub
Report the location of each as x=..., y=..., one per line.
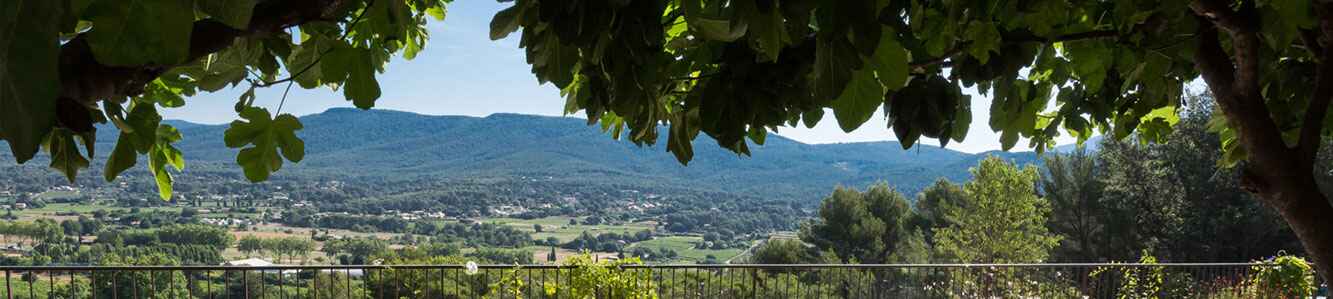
x=593, y=279
x=1147, y=281
x=1282, y=277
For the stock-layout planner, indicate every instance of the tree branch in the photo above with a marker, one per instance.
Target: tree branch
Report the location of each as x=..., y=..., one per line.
x=1220, y=12
x=355, y=21
x=1313, y=125
x=1310, y=41
x=1234, y=82
x=86, y=81
x=1095, y=34
x=937, y=60
x=691, y=78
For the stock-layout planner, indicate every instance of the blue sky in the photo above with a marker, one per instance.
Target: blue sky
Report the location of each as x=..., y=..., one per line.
x=462, y=72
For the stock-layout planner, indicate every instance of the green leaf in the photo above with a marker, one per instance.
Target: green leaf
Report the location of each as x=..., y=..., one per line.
x=89, y=140
x=29, y=81
x=859, y=101
x=1232, y=152
x=758, y=134
x=1133, y=77
x=768, y=31
x=234, y=13
x=507, y=21
x=835, y=61
x=812, y=117
x=1047, y=16
x=167, y=134
x=937, y=31
x=718, y=30
x=962, y=118
x=117, y=115
x=141, y=32
x=216, y=81
x=1008, y=139
x=122, y=157
x=306, y=57
x=143, y=121
x=361, y=87
x=158, y=92
x=559, y=68
x=163, y=155
x=146, y=135
x=985, y=39
x=890, y=62
x=285, y=127
x=65, y=156
x=437, y=12
x=1090, y=60
x=245, y=100
x=1156, y=125
x=335, y=64
x=164, y=182
x=267, y=135
x=1298, y=13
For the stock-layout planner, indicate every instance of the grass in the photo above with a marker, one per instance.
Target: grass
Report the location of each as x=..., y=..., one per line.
x=684, y=246
x=86, y=208
x=57, y=194
x=41, y=288
x=559, y=227
x=555, y=226
x=50, y=210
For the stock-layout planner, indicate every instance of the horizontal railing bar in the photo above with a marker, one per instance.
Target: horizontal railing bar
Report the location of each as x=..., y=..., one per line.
x=662, y=266
x=1028, y=265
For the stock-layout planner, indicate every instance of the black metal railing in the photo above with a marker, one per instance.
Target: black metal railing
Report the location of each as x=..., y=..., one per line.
x=1210, y=280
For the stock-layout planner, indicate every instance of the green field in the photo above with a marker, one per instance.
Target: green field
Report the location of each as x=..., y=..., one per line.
x=684, y=245
x=87, y=209
x=558, y=226
x=57, y=194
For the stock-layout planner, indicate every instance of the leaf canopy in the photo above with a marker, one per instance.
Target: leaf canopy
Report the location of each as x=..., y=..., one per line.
x=724, y=68
x=734, y=70
x=173, y=49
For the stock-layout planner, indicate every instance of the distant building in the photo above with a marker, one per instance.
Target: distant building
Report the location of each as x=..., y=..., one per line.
x=250, y=262
x=13, y=249
x=257, y=262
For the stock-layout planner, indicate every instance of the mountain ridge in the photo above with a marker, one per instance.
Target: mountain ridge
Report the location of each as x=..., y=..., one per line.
x=351, y=143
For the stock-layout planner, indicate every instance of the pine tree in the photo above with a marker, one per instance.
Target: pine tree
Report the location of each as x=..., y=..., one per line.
x=1001, y=220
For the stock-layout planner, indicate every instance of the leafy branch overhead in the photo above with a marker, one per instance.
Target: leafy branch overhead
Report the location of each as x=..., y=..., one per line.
x=732, y=69
x=735, y=70
x=63, y=58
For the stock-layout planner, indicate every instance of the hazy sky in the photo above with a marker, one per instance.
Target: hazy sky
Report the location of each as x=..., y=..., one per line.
x=462, y=72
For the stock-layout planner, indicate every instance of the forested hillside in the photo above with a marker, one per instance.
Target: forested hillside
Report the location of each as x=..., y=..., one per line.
x=381, y=145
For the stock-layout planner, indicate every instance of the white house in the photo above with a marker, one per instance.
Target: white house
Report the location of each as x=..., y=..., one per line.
x=250, y=262
x=258, y=262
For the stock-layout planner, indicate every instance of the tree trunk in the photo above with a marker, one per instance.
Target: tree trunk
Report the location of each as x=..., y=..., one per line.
x=1281, y=175
x=1310, y=215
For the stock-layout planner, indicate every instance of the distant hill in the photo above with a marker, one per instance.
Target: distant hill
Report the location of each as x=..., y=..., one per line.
x=1091, y=145
x=348, y=143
